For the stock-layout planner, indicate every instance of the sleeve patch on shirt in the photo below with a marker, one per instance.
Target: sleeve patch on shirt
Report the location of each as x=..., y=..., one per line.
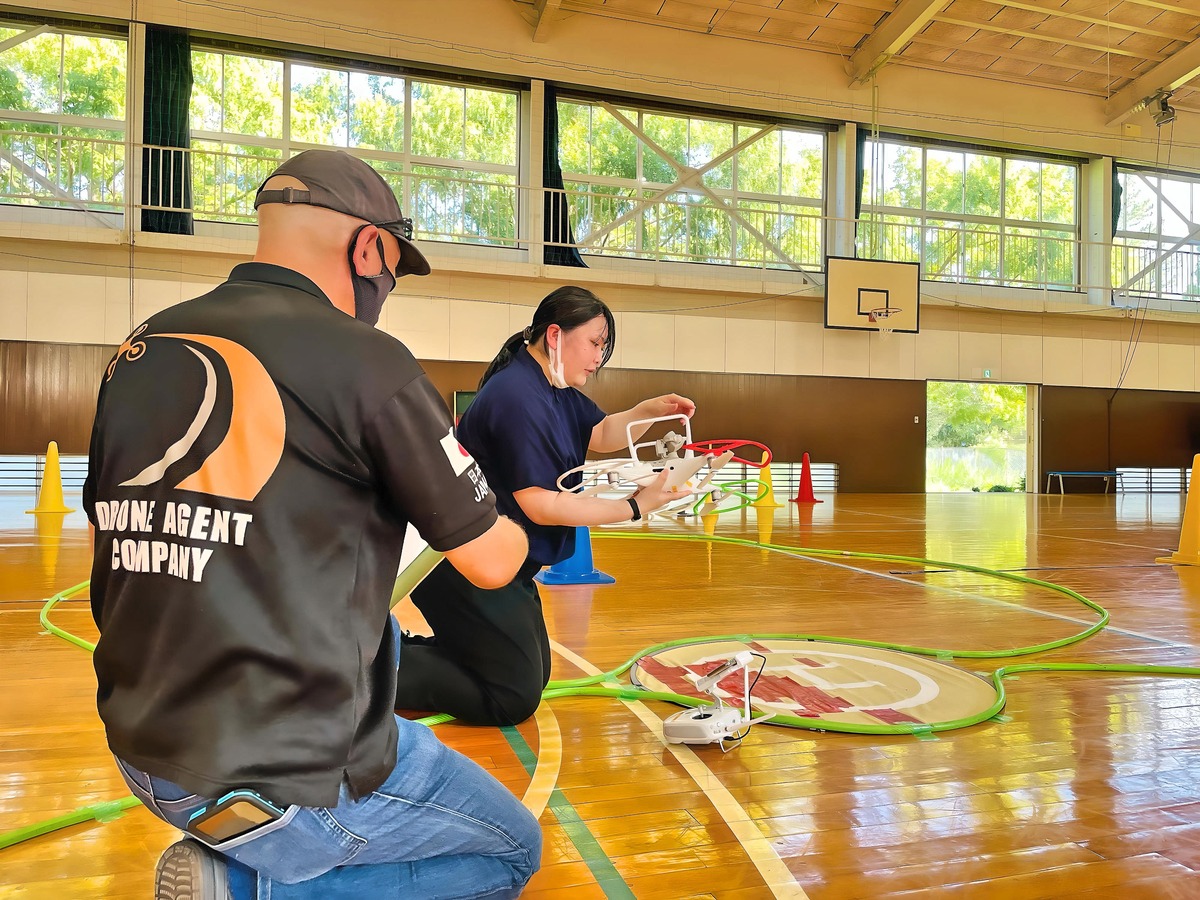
x=460, y=460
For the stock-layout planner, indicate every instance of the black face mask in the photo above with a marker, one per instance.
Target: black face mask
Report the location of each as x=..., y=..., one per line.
x=370, y=290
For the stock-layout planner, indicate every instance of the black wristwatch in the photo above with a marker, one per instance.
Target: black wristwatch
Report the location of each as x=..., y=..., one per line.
x=637, y=513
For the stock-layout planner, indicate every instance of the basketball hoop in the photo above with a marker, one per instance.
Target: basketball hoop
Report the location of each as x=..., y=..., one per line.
x=880, y=316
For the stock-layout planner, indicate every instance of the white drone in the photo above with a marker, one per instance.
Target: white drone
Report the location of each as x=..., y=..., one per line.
x=690, y=472
x=691, y=464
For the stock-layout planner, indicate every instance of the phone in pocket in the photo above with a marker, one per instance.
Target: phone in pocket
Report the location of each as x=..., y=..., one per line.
x=236, y=814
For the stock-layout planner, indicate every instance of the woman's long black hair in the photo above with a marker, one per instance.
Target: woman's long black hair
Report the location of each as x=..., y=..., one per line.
x=568, y=307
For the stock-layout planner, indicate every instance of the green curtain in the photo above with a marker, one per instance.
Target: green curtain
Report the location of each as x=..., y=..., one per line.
x=1117, y=191
x=557, y=231
x=167, y=173
x=860, y=175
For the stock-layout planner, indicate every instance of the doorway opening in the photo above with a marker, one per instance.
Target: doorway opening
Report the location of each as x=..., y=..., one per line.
x=976, y=436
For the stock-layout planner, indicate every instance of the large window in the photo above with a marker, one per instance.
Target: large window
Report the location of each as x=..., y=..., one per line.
x=659, y=185
x=1157, y=246
x=62, y=118
x=969, y=215
x=449, y=150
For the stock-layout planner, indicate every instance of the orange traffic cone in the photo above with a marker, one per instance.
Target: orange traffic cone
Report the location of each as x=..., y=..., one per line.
x=50, y=498
x=805, y=493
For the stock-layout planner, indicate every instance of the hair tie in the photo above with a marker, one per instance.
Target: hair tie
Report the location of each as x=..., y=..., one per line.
x=527, y=333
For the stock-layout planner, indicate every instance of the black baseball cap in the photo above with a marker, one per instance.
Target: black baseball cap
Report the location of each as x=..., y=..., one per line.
x=344, y=183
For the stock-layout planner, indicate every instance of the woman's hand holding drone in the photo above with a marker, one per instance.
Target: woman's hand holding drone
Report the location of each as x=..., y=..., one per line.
x=657, y=494
x=666, y=405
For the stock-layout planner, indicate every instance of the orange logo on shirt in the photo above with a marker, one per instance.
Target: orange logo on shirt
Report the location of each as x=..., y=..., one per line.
x=250, y=452
x=130, y=349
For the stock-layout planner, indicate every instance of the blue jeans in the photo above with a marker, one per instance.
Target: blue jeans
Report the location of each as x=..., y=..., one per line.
x=438, y=827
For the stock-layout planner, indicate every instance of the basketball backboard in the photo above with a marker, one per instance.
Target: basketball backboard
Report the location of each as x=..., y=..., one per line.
x=872, y=295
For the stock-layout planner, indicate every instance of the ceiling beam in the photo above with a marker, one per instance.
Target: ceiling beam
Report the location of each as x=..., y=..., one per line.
x=893, y=33
x=1076, y=17
x=543, y=12
x=1173, y=72
x=1044, y=38
x=984, y=46
x=663, y=21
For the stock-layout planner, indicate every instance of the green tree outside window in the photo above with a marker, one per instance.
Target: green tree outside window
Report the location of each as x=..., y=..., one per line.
x=78, y=159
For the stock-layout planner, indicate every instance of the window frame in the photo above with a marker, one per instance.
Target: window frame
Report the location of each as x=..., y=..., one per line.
x=640, y=185
x=1164, y=246
x=117, y=129
x=1006, y=226
x=404, y=162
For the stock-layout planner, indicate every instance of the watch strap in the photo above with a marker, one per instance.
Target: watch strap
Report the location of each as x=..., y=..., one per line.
x=637, y=513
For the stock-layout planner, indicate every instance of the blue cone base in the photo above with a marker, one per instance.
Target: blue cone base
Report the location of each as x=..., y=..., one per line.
x=549, y=576
x=577, y=568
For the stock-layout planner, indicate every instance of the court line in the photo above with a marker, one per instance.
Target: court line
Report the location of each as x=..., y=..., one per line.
x=1080, y=568
x=778, y=877
x=1071, y=537
x=549, y=761
x=955, y=591
x=576, y=830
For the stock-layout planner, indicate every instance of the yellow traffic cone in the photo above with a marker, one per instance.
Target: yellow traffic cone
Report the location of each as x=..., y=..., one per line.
x=49, y=541
x=764, y=520
x=768, y=496
x=710, y=523
x=50, y=498
x=1188, y=553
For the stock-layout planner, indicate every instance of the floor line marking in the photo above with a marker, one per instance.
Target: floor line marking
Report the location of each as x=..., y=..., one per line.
x=778, y=877
x=955, y=591
x=598, y=862
x=549, y=761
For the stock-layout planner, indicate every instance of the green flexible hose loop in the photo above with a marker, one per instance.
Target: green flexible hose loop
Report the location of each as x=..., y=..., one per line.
x=591, y=686
x=99, y=812
x=44, y=617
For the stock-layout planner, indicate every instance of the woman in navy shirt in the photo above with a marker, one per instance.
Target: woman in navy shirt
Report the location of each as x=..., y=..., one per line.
x=489, y=657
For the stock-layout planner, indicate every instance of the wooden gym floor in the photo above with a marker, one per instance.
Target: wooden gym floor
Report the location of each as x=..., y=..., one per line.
x=1089, y=788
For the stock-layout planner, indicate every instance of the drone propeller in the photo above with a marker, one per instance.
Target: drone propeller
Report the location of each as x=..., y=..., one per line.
x=715, y=465
x=715, y=448
x=711, y=502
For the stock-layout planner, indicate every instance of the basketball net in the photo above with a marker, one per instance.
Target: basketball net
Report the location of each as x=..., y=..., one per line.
x=882, y=317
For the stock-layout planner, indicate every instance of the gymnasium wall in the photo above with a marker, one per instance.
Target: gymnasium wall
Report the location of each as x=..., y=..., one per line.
x=749, y=346
x=48, y=393
x=1144, y=428
x=865, y=425
x=675, y=319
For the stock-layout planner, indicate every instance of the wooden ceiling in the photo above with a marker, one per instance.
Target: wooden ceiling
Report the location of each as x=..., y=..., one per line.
x=1122, y=51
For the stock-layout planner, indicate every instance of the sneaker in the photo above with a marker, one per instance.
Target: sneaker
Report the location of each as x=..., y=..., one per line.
x=188, y=870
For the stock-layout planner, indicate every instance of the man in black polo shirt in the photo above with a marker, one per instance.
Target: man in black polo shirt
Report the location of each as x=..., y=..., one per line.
x=257, y=455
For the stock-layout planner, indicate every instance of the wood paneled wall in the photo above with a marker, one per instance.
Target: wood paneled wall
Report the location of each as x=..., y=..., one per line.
x=1144, y=428
x=48, y=393
x=866, y=426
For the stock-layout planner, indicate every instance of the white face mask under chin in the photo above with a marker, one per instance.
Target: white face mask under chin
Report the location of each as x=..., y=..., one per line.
x=557, y=377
